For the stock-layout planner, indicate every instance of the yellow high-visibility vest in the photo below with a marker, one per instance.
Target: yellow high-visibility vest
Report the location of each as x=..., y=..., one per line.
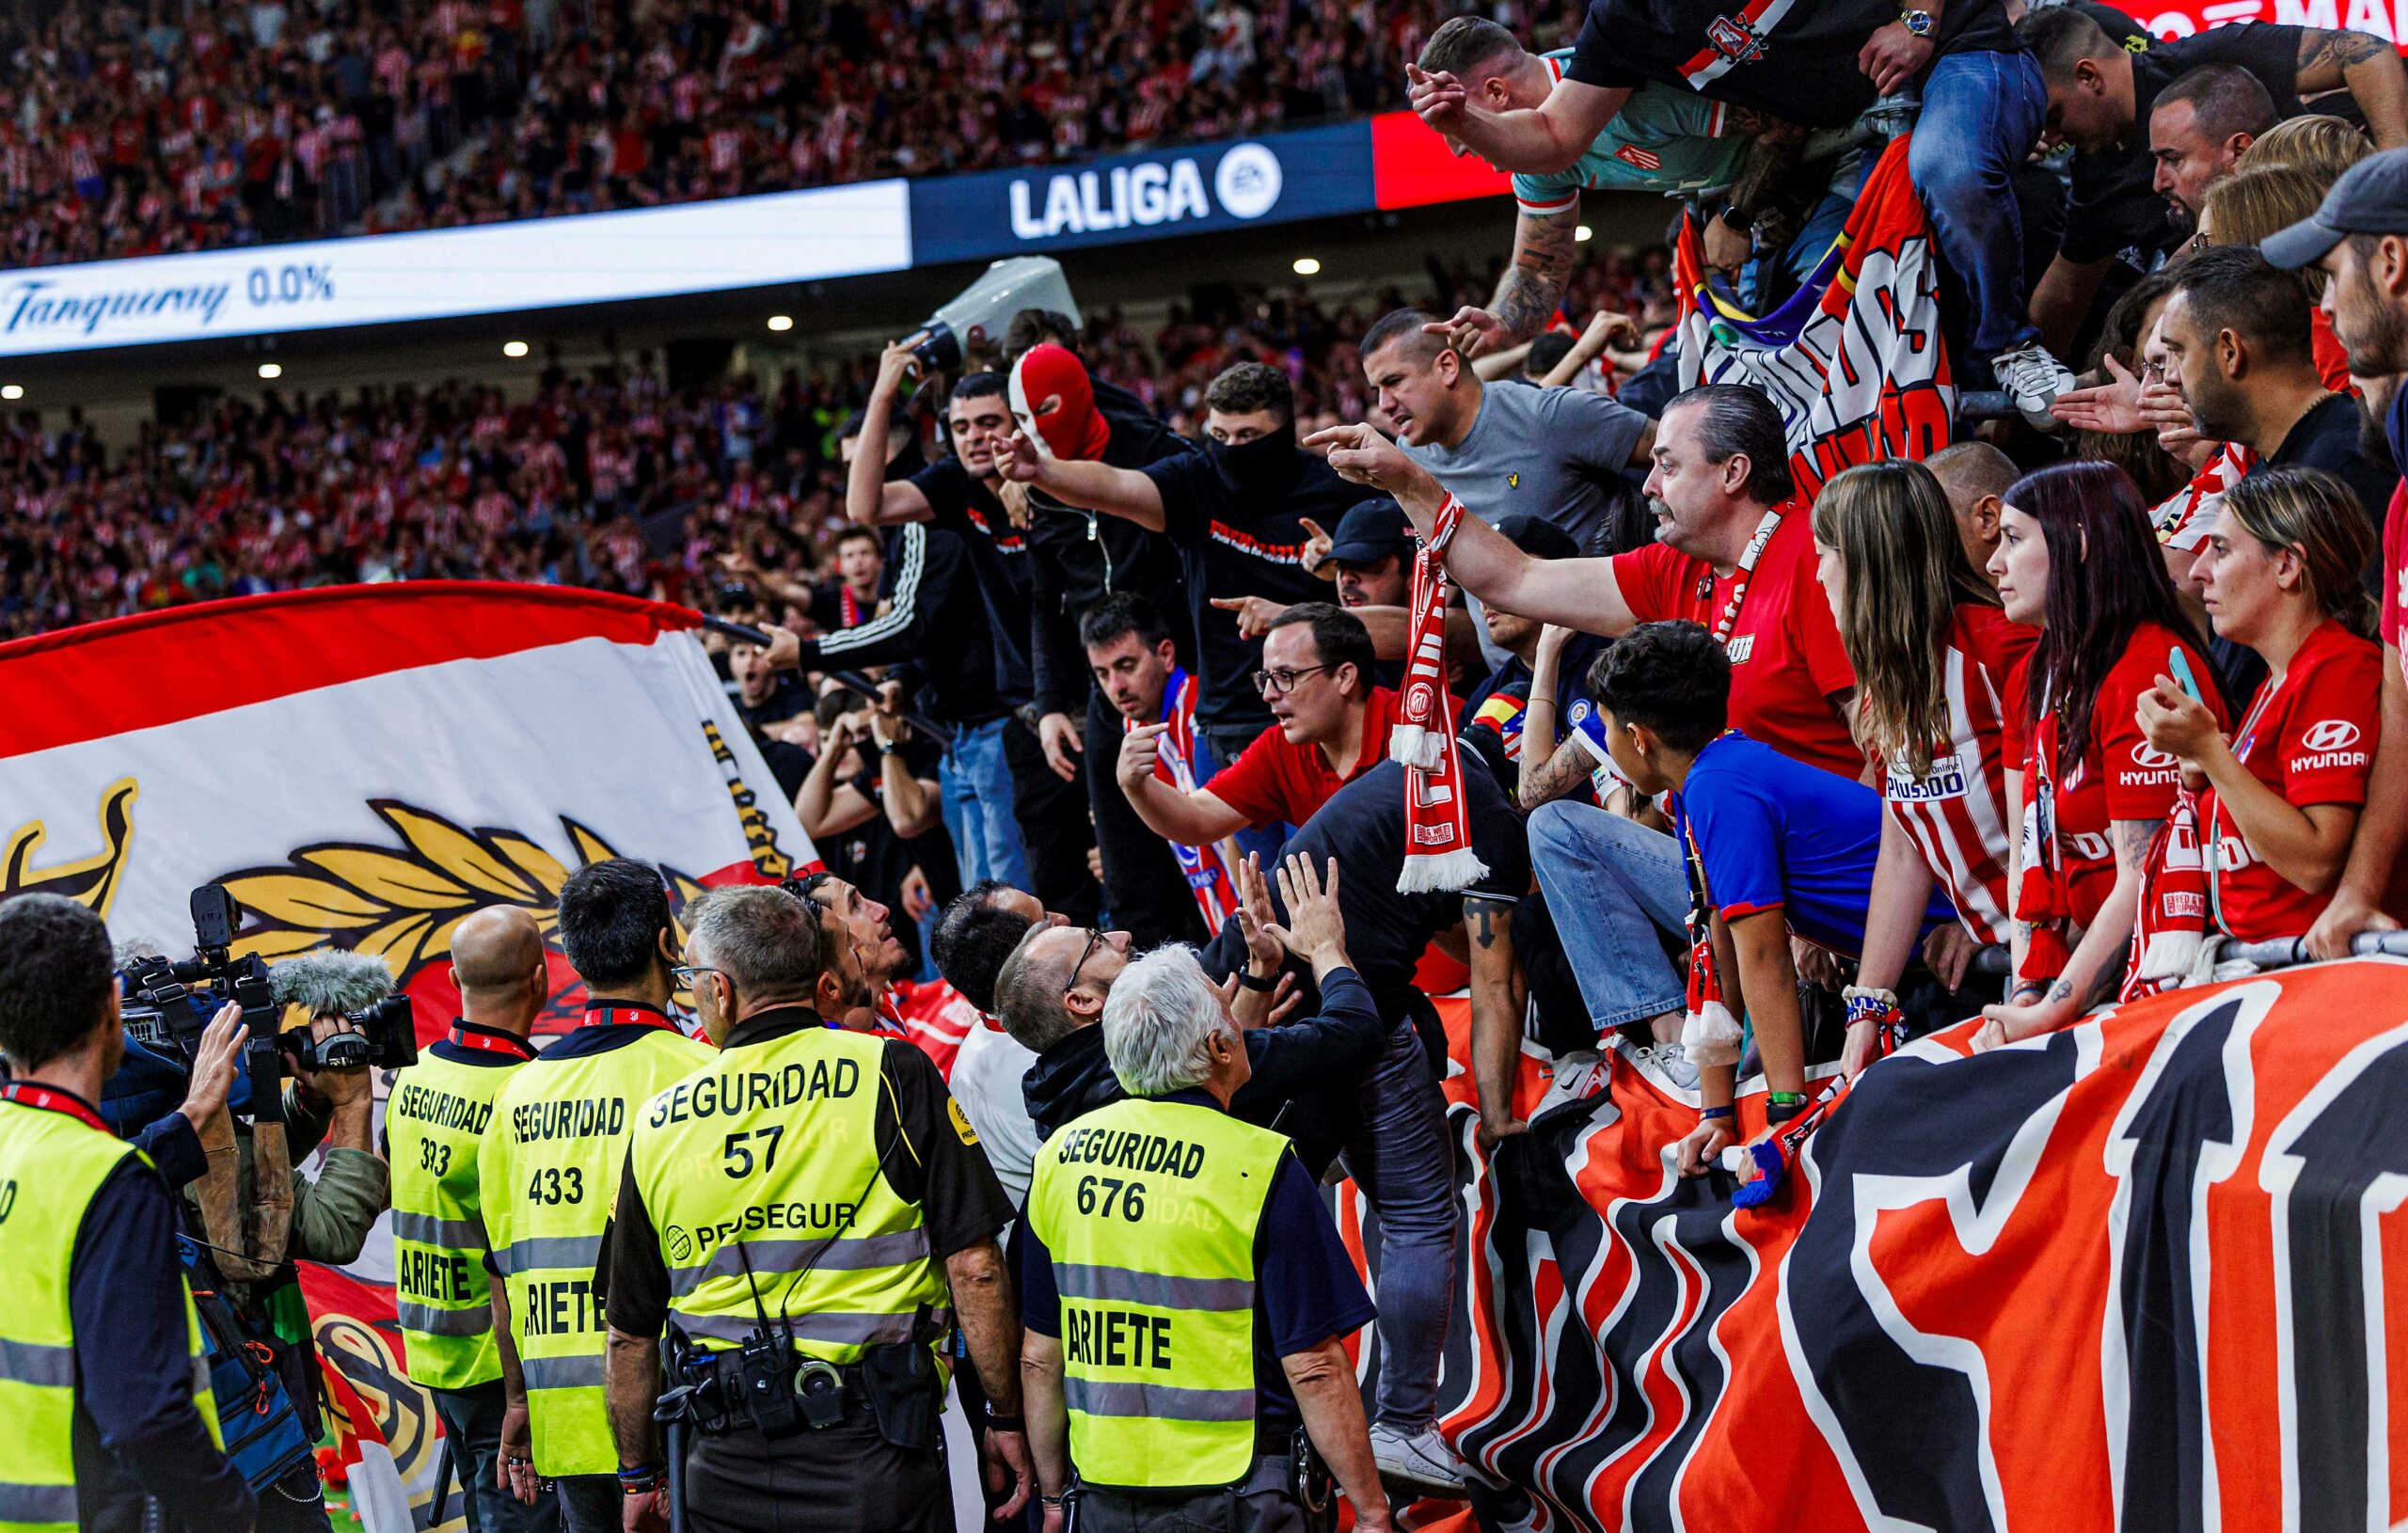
x=434, y=1124
x=52, y=1164
x=548, y=1181
x=1149, y=1211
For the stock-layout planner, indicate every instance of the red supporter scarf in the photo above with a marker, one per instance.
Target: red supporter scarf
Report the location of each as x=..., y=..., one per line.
x=2043, y=897
x=2172, y=925
x=848, y=607
x=1438, y=854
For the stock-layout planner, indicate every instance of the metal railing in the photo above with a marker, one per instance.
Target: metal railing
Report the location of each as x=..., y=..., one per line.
x=2282, y=952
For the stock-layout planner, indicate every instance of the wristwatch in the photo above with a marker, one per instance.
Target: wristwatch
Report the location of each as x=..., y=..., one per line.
x=1916, y=21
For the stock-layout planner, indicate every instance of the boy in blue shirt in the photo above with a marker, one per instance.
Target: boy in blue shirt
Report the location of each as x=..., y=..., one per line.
x=1774, y=848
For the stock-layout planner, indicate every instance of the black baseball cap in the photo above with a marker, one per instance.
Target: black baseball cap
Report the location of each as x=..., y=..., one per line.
x=1538, y=537
x=1370, y=531
x=2372, y=197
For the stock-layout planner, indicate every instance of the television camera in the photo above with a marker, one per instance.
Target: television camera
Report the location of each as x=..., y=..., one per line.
x=168, y=1002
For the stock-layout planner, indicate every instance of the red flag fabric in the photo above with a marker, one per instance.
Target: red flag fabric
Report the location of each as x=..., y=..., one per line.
x=2152, y=1269
x=1854, y=359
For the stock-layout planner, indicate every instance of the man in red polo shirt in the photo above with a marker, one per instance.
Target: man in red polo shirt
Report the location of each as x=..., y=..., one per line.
x=1734, y=553
x=1329, y=726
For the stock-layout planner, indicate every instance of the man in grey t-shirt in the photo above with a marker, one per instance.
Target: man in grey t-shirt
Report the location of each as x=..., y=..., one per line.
x=1554, y=453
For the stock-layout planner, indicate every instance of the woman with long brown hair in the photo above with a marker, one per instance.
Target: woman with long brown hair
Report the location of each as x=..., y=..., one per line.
x=2076, y=560
x=1934, y=655
x=2280, y=796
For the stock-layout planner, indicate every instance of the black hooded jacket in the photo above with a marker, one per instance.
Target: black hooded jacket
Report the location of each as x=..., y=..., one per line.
x=1306, y=1069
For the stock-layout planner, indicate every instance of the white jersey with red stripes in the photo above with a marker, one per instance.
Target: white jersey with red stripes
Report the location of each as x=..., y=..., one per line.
x=1957, y=811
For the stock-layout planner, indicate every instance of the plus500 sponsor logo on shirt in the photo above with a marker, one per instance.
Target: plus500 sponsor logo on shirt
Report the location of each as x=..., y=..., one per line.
x=1283, y=177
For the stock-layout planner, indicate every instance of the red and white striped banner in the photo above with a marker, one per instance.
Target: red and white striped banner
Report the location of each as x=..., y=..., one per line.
x=366, y=765
x=2148, y=1272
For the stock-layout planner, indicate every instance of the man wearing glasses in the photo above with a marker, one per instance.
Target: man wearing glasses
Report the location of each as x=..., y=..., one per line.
x=1330, y=725
x=549, y=1173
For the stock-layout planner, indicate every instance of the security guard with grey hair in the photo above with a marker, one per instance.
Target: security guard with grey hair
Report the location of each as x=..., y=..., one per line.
x=1186, y=1296
x=807, y=1218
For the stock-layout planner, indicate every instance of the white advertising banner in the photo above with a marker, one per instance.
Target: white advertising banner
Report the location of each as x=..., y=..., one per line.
x=365, y=766
x=597, y=257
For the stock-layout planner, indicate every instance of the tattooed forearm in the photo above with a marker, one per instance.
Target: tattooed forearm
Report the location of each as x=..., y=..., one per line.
x=2325, y=56
x=2131, y=839
x=1480, y=920
x=1532, y=287
x=1545, y=782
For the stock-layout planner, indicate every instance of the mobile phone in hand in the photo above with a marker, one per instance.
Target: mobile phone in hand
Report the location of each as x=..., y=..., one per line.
x=2179, y=664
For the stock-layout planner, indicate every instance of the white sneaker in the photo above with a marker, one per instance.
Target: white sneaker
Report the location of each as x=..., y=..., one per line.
x=1580, y=1075
x=1423, y=1463
x=2033, y=380
x=1671, y=1060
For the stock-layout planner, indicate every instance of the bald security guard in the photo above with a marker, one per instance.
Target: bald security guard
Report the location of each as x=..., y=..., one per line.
x=549, y=1173
x=435, y=1123
x=810, y=1215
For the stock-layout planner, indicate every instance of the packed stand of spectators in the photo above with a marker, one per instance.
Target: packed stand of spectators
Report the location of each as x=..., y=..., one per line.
x=135, y=129
x=610, y=480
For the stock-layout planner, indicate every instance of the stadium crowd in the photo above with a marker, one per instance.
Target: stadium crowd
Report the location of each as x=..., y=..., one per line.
x=1115, y=680
x=609, y=479
x=191, y=125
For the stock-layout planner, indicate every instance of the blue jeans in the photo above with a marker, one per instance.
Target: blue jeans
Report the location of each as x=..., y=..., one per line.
x=1982, y=113
x=1615, y=884
x=977, y=787
x=1403, y=1159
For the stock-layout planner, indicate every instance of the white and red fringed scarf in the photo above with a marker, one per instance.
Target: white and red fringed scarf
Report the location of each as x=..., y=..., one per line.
x=1438, y=855
x=2176, y=918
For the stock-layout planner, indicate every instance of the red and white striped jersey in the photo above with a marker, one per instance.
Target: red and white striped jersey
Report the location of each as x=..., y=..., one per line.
x=1957, y=811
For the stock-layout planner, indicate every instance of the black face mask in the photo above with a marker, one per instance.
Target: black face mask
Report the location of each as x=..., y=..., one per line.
x=1266, y=465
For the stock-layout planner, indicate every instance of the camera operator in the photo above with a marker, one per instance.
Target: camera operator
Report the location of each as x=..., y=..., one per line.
x=99, y=1347
x=259, y=1212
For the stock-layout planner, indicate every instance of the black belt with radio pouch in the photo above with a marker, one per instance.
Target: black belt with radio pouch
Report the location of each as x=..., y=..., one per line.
x=765, y=1384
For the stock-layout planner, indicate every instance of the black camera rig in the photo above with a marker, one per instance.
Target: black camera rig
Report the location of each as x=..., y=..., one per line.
x=169, y=1001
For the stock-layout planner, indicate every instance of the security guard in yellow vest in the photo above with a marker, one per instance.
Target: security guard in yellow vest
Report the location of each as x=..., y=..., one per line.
x=103, y=1394
x=549, y=1173
x=1185, y=1293
x=435, y=1122
x=806, y=1214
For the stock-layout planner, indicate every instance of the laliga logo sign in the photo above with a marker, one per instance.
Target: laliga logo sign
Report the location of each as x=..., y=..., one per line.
x=1246, y=181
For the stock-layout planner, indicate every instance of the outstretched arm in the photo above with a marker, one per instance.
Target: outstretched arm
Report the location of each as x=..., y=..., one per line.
x=1530, y=292
x=1581, y=593
x=1090, y=486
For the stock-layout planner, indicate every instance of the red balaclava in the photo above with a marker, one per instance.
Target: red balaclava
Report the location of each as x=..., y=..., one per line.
x=1054, y=403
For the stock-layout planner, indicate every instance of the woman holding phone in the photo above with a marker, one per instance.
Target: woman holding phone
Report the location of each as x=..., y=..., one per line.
x=2280, y=796
x=1937, y=664
x=2076, y=560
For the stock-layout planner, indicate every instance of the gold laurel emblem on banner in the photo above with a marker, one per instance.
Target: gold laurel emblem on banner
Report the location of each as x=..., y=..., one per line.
x=91, y=882
x=403, y=903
